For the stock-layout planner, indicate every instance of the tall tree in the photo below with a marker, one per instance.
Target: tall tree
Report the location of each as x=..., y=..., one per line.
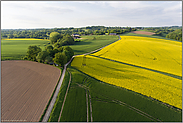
x=54, y=36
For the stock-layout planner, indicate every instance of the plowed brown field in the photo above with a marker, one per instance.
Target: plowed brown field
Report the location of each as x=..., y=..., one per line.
x=143, y=32
x=26, y=88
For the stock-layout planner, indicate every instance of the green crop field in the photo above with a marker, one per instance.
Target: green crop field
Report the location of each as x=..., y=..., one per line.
x=88, y=44
x=15, y=49
x=75, y=104
x=111, y=103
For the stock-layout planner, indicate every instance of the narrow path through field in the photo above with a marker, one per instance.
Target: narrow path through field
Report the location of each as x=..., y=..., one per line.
x=50, y=107
x=87, y=105
x=87, y=114
x=65, y=97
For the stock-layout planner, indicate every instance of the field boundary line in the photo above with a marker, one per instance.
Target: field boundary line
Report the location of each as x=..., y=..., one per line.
x=164, y=73
x=65, y=97
x=97, y=49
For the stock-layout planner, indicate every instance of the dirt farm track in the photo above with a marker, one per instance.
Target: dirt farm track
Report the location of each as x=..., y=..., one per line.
x=26, y=88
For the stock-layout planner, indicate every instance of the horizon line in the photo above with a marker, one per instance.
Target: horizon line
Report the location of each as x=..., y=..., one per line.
x=90, y=26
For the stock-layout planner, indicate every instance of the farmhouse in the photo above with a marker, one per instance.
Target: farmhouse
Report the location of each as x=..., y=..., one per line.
x=75, y=36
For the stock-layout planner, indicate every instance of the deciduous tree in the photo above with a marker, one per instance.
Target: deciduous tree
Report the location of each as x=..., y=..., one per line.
x=60, y=59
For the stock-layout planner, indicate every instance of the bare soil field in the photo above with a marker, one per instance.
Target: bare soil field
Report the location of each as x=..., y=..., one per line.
x=143, y=32
x=26, y=88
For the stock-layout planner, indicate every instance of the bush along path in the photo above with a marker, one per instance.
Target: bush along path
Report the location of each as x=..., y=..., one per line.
x=50, y=107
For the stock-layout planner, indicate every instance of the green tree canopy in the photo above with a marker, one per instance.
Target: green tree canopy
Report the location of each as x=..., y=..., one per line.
x=48, y=59
x=60, y=59
x=49, y=47
x=42, y=56
x=69, y=50
x=54, y=36
x=32, y=53
x=66, y=40
x=177, y=35
x=57, y=45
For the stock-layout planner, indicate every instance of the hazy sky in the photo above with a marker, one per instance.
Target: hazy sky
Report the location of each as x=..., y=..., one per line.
x=47, y=14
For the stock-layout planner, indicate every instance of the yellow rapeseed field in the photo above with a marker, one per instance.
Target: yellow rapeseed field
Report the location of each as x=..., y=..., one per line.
x=24, y=39
x=164, y=88
x=157, y=54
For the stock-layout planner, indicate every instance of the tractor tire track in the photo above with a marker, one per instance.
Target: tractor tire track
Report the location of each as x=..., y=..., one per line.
x=130, y=107
x=87, y=105
x=65, y=97
x=90, y=106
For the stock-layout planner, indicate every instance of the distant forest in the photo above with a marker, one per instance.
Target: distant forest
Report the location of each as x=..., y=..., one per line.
x=173, y=32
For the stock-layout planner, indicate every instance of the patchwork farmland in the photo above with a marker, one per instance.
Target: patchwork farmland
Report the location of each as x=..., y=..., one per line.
x=104, y=85
x=105, y=89
x=141, y=64
x=26, y=89
x=99, y=61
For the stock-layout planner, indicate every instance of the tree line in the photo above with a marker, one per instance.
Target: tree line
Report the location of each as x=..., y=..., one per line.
x=89, y=30
x=177, y=35
x=50, y=55
x=45, y=33
x=162, y=31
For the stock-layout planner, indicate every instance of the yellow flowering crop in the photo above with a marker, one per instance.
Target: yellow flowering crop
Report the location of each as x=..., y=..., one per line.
x=23, y=39
x=157, y=54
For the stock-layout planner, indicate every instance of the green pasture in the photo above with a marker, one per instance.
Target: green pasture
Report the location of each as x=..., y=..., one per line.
x=88, y=43
x=16, y=49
